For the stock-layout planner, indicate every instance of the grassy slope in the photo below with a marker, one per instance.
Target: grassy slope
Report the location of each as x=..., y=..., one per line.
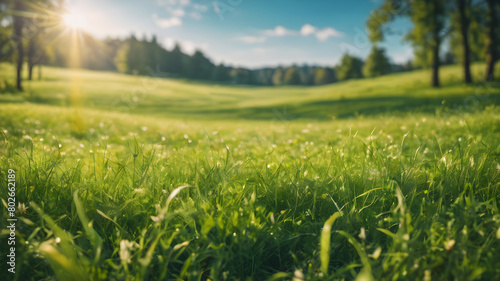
x=187, y=99
x=423, y=186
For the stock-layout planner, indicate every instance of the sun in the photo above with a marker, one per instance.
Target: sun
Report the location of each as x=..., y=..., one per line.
x=74, y=20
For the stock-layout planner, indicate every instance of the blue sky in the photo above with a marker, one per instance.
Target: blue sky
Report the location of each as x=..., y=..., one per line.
x=250, y=33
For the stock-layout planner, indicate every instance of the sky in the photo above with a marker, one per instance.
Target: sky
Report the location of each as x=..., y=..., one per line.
x=250, y=33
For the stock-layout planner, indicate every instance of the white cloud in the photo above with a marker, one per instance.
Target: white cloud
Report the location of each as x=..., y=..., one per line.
x=261, y=51
x=279, y=31
x=181, y=8
x=326, y=33
x=307, y=30
x=173, y=2
x=167, y=23
x=179, y=13
x=196, y=15
x=200, y=8
x=252, y=39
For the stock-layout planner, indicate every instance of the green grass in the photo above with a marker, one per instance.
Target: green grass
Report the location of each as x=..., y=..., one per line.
x=199, y=181
x=194, y=100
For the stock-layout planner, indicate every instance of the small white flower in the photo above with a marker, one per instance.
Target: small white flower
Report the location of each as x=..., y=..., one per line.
x=362, y=233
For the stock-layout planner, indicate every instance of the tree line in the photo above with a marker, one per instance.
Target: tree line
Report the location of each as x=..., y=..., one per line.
x=31, y=33
x=470, y=27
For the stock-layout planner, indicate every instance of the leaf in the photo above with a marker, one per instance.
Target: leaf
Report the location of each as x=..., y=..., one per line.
x=173, y=194
x=325, y=243
x=362, y=254
x=387, y=232
x=94, y=238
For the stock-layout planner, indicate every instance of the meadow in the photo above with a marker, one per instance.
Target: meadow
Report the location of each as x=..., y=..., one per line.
x=146, y=178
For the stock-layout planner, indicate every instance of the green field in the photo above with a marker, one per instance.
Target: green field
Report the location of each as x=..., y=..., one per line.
x=135, y=178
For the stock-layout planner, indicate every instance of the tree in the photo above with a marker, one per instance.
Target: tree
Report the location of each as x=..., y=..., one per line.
x=6, y=50
x=292, y=76
x=18, y=26
x=221, y=73
x=476, y=34
x=429, y=28
x=350, y=68
x=323, y=76
x=464, y=8
x=377, y=63
x=41, y=18
x=429, y=19
x=278, y=76
x=175, y=61
x=199, y=66
x=492, y=39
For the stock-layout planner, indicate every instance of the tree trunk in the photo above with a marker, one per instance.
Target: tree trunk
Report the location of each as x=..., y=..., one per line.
x=30, y=71
x=435, y=62
x=491, y=55
x=18, y=24
x=31, y=58
x=464, y=33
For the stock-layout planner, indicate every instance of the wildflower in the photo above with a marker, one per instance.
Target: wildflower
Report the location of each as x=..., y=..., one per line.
x=125, y=248
x=449, y=245
x=298, y=275
x=427, y=275
x=58, y=240
x=362, y=233
x=158, y=218
x=21, y=208
x=163, y=139
x=144, y=128
x=377, y=253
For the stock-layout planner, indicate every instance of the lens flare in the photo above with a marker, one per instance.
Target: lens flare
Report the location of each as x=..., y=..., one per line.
x=75, y=21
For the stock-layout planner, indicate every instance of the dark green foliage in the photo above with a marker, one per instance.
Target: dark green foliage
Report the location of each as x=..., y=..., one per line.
x=221, y=73
x=199, y=67
x=292, y=76
x=377, y=63
x=323, y=76
x=278, y=76
x=350, y=68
